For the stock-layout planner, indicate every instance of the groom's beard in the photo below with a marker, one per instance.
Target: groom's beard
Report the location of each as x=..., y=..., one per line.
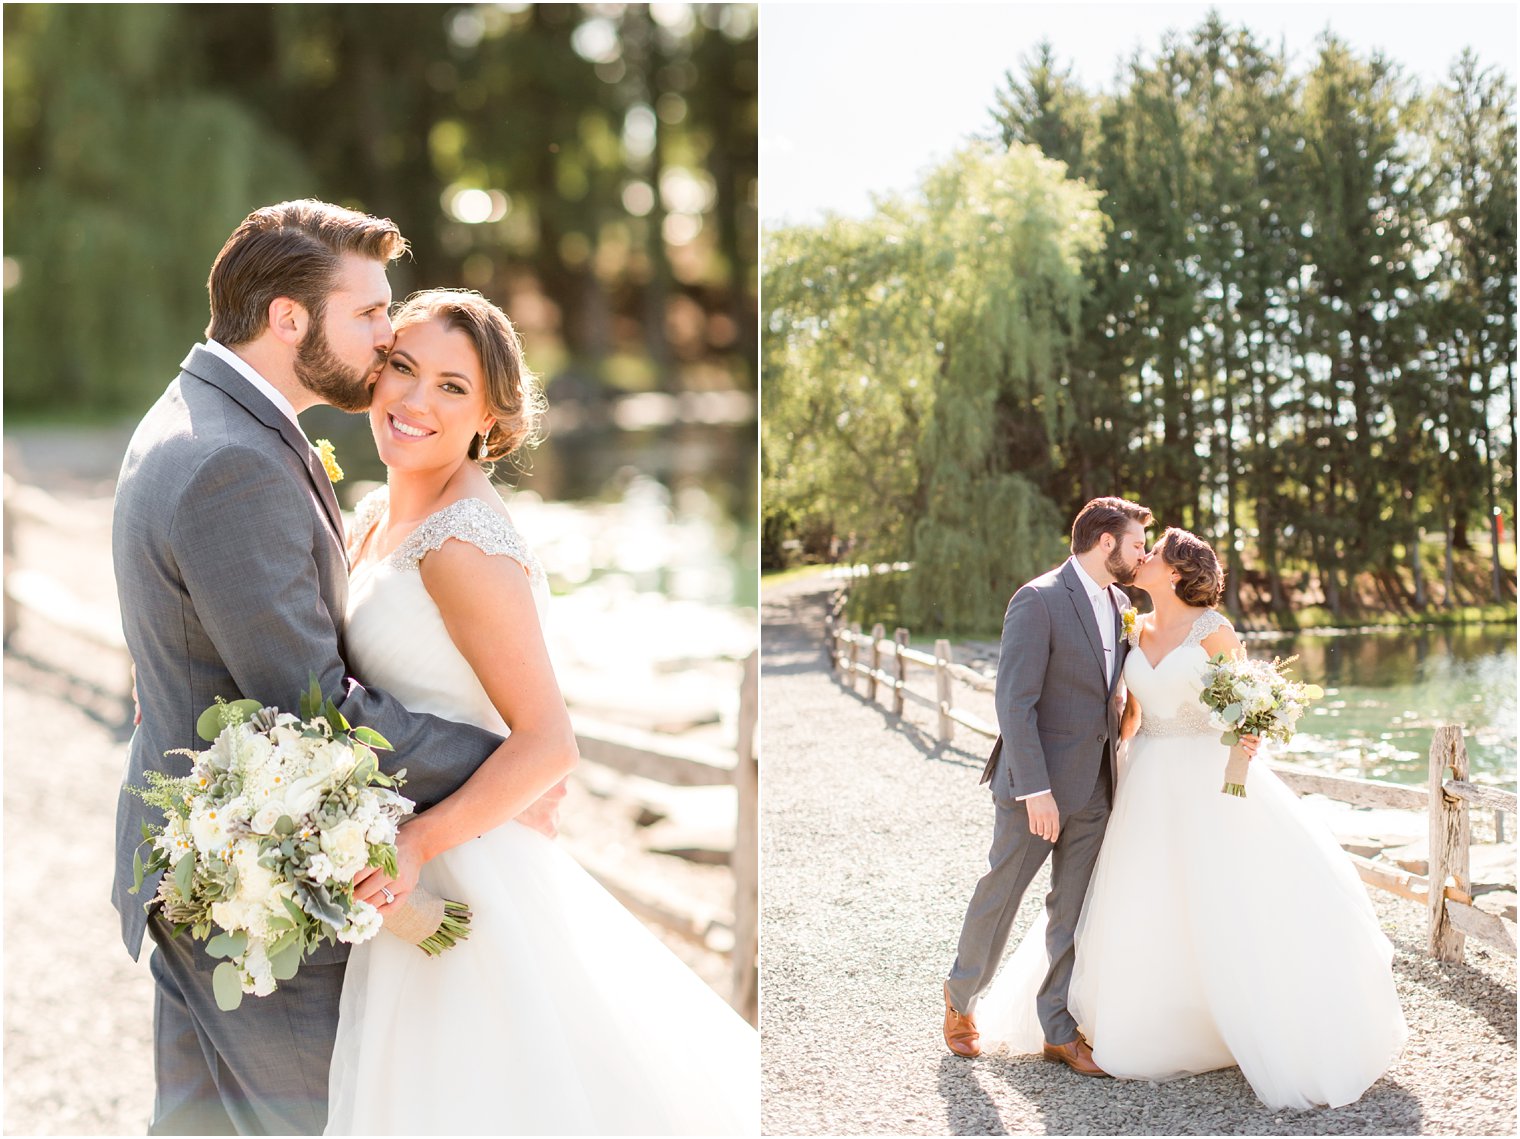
x=323, y=374
x=1123, y=573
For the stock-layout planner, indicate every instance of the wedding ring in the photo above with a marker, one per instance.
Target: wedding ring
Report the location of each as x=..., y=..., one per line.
x=389, y=897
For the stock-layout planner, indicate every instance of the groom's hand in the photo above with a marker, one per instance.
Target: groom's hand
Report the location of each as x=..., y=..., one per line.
x=543, y=813
x=1044, y=818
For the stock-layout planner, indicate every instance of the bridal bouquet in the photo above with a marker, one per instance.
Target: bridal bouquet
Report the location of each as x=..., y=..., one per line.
x=1252, y=697
x=264, y=836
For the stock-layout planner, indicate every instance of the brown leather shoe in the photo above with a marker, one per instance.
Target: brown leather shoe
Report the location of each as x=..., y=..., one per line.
x=961, y=1035
x=1077, y=1056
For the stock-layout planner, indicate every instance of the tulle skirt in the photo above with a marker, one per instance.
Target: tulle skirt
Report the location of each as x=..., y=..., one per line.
x=560, y=1015
x=1218, y=931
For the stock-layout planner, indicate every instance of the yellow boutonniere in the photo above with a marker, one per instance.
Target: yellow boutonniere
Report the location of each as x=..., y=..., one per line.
x=1128, y=618
x=329, y=457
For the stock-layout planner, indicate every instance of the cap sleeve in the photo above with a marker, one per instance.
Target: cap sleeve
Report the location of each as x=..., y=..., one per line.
x=1209, y=621
x=468, y=520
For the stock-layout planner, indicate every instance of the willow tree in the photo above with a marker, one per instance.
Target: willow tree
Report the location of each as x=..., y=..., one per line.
x=846, y=380
x=1006, y=235
x=122, y=180
x=914, y=375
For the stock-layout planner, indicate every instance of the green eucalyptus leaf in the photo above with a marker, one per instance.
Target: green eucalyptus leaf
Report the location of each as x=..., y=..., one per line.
x=1229, y=738
x=137, y=871
x=297, y=914
x=227, y=944
x=372, y=738
x=248, y=708
x=365, y=769
x=184, y=875
x=285, y=960
x=228, y=986
x=209, y=724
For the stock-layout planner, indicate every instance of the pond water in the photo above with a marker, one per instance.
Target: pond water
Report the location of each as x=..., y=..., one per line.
x=683, y=496
x=1387, y=691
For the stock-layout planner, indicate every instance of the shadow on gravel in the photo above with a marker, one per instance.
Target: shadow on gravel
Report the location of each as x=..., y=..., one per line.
x=1463, y=985
x=933, y=748
x=1052, y=1101
x=969, y=1109
x=105, y=706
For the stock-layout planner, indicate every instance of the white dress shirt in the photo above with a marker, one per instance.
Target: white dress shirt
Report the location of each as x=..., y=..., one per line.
x=1103, y=612
x=266, y=389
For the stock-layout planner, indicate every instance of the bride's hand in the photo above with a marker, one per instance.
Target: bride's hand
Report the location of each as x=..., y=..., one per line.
x=1249, y=744
x=542, y=814
x=371, y=883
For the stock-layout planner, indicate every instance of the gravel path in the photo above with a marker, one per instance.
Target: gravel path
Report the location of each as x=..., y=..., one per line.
x=873, y=835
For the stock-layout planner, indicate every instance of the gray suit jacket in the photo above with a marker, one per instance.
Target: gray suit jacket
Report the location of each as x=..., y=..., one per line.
x=233, y=581
x=1055, y=711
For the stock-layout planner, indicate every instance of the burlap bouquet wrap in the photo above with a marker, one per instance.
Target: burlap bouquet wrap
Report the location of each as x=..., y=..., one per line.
x=417, y=918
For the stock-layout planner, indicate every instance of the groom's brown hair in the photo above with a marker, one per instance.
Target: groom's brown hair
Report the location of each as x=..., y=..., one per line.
x=289, y=250
x=1105, y=516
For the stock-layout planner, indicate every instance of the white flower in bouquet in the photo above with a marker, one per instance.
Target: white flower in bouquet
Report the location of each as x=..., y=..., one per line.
x=364, y=922
x=259, y=841
x=345, y=844
x=208, y=826
x=1247, y=697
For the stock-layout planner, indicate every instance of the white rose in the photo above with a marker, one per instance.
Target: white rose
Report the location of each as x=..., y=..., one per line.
x=284, y=734
x=233, y=914
x=341, y=758
x=303, y=795
x=346, y=846
x=254, y=881
x=265, y=817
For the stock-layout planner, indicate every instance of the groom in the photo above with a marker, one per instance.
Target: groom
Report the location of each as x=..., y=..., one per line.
x=230, y=564
x=1059, y=699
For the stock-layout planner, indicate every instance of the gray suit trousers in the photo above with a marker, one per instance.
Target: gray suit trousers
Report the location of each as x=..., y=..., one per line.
x=1015, y=858
x=260, y=1070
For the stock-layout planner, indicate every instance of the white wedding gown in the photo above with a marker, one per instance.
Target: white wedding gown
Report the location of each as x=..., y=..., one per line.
x=1217, y=930
x=561, y=1014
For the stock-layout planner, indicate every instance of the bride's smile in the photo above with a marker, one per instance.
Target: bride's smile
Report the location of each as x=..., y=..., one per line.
x=429, y=399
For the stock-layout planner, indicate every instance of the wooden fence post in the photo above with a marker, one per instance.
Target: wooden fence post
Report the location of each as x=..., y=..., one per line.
x=877, y=633
x=854, y=656
x=900, y=637
x=1448, y=841
x=942, y=689
x=746, y=864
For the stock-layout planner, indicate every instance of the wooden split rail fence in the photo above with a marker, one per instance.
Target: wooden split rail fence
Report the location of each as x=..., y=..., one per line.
x=631, y=751
x=881, y=664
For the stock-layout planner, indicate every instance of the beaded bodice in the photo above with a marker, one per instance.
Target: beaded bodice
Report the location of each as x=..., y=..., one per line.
x=395, y=636
x=1168, y=691
x=469, y=520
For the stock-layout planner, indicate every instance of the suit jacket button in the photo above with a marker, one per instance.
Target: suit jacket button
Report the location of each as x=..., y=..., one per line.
x=1102, y=738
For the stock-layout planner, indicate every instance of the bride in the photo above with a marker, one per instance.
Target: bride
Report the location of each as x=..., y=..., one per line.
x=1217, y=930
x=559, y=1014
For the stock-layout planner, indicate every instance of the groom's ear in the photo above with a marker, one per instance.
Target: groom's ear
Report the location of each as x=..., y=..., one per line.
x=288, y=320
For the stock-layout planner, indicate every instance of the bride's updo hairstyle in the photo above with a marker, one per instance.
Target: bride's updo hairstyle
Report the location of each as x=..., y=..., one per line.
x=514, y=396
x=1201, y=580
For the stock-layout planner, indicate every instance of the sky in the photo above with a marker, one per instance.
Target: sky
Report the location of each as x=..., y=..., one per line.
x=857, y=99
